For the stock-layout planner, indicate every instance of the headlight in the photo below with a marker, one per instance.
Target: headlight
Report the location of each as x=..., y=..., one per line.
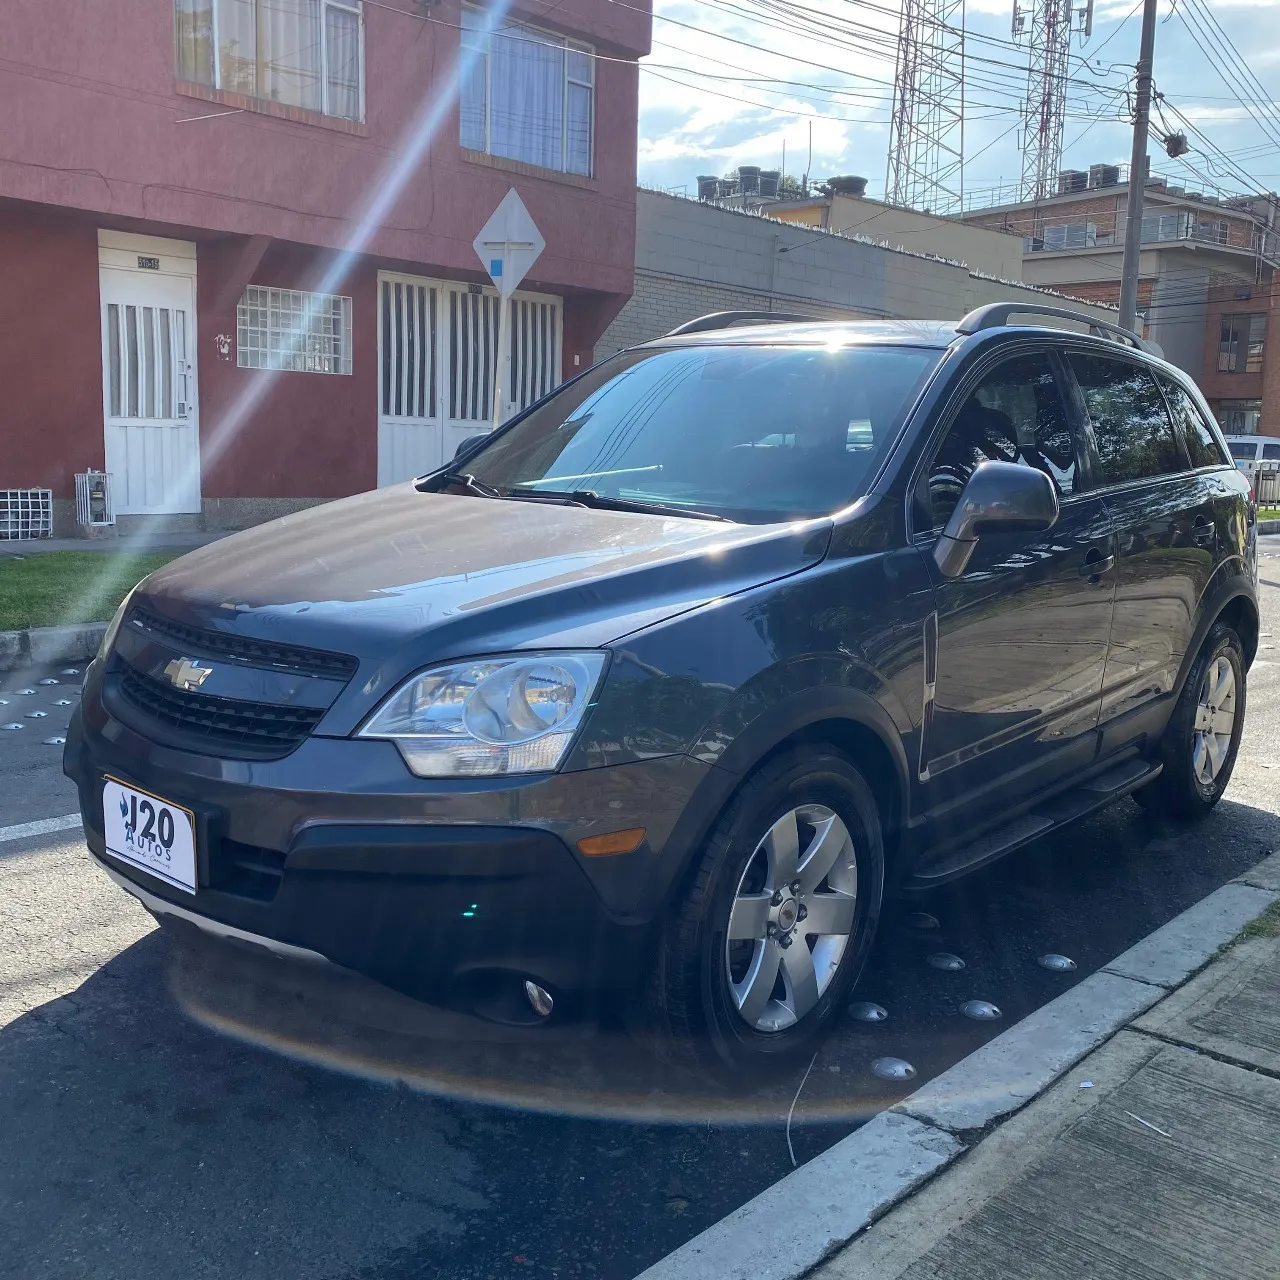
x=511, y=714
x=113, y=627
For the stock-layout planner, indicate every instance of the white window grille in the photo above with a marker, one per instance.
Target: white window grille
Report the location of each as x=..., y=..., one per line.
x=26, y=513
x=527, y=94
x=302, y=53
x=293, y=331
x=408, y=349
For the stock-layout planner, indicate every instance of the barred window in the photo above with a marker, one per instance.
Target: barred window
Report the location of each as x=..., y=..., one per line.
x=294, y=331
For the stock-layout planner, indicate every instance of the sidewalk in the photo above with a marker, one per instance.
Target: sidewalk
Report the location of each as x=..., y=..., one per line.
x=1127, y=1130
x=1156, y=1156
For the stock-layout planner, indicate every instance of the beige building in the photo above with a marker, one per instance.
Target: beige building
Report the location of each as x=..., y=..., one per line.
x=988, y=252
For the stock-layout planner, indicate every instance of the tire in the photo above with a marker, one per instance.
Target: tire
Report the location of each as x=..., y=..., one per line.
x=1197, y=759
x=712, y=999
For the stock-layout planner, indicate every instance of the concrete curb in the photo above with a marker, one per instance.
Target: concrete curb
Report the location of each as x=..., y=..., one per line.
x=791, y=1227
x=1269, y=526
x=42, y=645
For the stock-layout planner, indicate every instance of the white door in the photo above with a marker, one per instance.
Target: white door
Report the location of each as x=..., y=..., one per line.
x=437, y=346
x=148, y=374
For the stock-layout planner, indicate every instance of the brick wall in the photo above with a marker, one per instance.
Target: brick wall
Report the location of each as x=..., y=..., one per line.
x=1223, y=299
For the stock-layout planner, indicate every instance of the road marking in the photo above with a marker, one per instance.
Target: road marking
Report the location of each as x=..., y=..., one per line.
x=39, y=828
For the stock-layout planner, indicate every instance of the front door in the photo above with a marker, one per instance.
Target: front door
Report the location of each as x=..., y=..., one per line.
x=437, y=353
x=147, y=288
x=1021, y=636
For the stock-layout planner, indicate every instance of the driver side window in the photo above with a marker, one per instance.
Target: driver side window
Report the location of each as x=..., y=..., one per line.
x=1015, y=414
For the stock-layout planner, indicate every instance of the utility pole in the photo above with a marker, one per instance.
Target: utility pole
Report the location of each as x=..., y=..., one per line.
x=1137, y=170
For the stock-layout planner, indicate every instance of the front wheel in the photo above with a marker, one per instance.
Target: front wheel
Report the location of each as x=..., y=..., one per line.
x=1200, y=743
x=779, y=917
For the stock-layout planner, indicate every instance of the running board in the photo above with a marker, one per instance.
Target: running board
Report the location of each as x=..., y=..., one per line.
x=1057, y=811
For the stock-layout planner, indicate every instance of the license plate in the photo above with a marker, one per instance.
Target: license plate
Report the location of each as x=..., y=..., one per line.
x=151, y=833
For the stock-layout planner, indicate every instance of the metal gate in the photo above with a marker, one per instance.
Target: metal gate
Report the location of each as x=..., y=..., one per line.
x=437, y=351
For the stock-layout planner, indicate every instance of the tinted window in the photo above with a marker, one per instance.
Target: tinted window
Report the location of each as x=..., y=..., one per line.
x=1130, y=422
x=1270, y=452
x=1243, y=452
x=1201, y=445
x=1014, y=415
x=755, y=433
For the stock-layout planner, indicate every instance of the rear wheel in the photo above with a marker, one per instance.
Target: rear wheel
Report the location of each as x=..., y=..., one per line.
x=778, y=920
x=1200, y=743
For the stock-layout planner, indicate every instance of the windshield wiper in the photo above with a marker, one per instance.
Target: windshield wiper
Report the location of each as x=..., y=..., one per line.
x=590, y=498
x=465, y=480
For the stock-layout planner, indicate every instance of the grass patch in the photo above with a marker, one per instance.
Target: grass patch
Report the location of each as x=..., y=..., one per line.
x=1267, y=925
x=1269, y=513
x=57, y=587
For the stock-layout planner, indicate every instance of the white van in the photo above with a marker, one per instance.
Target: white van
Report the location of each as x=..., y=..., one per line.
x=1248, y=450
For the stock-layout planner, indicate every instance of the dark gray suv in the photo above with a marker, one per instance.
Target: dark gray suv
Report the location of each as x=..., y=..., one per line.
x=653, y=695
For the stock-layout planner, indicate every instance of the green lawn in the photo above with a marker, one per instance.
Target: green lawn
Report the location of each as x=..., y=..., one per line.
x=56, y=587
x=1269, y=513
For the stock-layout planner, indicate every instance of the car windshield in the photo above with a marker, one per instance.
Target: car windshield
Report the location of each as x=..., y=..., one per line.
x=752, y=433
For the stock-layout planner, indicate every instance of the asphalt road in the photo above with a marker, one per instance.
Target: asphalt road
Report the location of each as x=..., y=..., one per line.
x=173, y=1111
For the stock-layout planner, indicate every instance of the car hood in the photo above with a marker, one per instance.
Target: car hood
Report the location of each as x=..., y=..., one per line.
x=402, y=577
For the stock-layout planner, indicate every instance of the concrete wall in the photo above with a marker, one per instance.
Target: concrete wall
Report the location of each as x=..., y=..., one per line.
x=692, y=258
x=992, y=252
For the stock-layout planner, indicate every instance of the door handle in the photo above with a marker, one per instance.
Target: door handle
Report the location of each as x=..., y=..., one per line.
x=1096, y=564
x=1204, y=533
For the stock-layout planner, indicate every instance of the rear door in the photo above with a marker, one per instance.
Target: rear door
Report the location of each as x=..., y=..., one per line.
x=1166, y=537
x=1021, y=636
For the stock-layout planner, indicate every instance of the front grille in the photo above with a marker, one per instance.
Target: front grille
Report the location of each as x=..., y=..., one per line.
x=255, y=730
x=258, y=653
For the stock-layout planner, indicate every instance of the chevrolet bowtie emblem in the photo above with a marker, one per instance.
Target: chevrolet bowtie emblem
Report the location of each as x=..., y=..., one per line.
x=183, y=673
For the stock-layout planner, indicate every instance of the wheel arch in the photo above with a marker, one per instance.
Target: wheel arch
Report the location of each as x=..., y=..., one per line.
x=847, y=720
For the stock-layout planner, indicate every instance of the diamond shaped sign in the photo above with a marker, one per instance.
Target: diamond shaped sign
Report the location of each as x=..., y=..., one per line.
x=509, y=244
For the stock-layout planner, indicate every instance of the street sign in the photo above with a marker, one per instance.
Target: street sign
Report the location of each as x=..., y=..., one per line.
x=507, y=246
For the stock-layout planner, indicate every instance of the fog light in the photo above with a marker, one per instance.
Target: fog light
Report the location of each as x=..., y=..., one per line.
x=539, y=998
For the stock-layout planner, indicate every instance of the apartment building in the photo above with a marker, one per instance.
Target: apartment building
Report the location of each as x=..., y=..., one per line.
x=236, y=236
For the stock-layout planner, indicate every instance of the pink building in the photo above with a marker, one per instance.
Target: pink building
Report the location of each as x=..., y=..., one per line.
x=236, y=235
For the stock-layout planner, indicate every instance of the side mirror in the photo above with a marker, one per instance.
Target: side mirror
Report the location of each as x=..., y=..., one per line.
x=1000, y=497
x=467, y=443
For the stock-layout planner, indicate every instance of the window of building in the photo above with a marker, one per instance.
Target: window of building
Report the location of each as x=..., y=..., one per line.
x=1241, y=341
x=1014, y=415
x=527, y=95
x=301, y=53
x=1131, y=424
x=1214, y=230
x=293, y=331
x=1070, y=235
x=1240, y=417
x=1165, y=226
x=1201, y=444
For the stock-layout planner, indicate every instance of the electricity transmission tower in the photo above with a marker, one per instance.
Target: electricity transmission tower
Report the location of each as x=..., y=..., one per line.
x=1046, y=25
x=926, y=134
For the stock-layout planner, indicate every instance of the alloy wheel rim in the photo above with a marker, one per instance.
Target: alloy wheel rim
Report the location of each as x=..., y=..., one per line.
x=792, y=915
x=1215, y=721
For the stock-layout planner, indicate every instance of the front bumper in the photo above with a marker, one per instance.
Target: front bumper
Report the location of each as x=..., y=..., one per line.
x=453, y=890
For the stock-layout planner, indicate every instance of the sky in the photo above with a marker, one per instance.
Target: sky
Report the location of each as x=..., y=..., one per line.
x=734, y=82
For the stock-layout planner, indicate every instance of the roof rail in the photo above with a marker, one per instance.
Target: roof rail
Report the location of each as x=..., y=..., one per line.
x=996, y=314
x=727, y=320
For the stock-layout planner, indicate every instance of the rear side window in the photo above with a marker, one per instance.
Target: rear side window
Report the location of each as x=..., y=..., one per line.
x=1015, y=414
x=1131, y=425
x=1270, y=452
x=1201, y=444
x=1243, y=451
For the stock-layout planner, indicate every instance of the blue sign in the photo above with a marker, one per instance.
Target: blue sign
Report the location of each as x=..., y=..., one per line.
x=495, y=268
